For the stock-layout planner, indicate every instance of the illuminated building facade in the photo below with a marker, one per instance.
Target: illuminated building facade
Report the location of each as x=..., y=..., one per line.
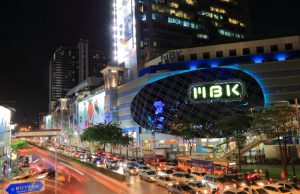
x=5, y=134
x=146, y=28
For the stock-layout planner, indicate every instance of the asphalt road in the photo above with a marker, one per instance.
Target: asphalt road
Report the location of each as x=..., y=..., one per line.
x=87, y=181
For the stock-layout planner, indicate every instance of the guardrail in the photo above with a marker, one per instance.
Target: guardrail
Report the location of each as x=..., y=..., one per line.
x=104, y=171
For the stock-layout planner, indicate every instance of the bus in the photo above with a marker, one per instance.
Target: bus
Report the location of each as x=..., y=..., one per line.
x=208, y=166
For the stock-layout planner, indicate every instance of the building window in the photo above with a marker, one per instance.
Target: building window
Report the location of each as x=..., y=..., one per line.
x=206, y=55
x=274, y=48
x=219, y=54
x=194, y=57
x=232, y=53
x=246, y=51
x=259, y=49
x=181, y=58
x=288, y=46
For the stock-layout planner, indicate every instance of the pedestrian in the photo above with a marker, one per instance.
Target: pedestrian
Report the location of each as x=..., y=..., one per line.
x=295, y=180
x=283, y=176
x=267, y=174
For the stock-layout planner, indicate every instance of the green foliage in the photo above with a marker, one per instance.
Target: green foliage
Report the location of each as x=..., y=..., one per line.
x=235, y=126
x=276, y=122
x=103, y=133
x=19, y=144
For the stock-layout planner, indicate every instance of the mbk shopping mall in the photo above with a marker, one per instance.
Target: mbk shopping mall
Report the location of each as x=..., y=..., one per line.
x=205, y=83
x=223, y=78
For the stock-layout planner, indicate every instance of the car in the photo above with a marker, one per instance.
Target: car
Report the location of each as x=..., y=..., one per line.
x=165, y=181
x=235, y=191
x=237, y=179
x=141, y=168
x=200, y=187
x=181, y=188
x=112, y=164
x=165, y=172
x=260, y=181
x=168, y=166
x=131, y=170
x=198, y=175
x=182, y=177
x=148, y=175
x=215, y=181
x=275, y=189
x=253, y=189
x=177, y=169
x=98, y=161
x=291, y=186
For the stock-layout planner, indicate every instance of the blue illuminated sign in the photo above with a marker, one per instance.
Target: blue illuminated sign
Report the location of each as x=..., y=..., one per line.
x=220, y=91
x=27, y=187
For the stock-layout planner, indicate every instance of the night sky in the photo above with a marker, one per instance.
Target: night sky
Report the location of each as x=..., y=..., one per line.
x=31, y=31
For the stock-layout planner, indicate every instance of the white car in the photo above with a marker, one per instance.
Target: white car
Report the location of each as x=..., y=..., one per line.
x=198, y=175
x=182, y=177
x=148, y=175
x=165, y=181
x=200, y=187
x=275, y=189
x=215, y=181
x=112, y=164
x=235, y=191
x=165, y=172
x=255, y=190
x=291, y=186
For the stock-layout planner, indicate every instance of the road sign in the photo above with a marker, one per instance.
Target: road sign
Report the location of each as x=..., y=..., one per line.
x=25, y=187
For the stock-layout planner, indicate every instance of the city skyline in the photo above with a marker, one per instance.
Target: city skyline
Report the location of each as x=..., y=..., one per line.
x=33, y=31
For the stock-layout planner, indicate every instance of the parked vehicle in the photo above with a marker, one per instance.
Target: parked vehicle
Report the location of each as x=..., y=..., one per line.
x=165, y=181
x=237, y=179
x=148, y=175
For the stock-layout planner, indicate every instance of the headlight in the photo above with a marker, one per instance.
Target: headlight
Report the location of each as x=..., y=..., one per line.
x=227, y=187
x=205, y=191
x=170, y=184
x=234, y=185
x=151, y=178
x=261, y=184
x=131, y=171
x=243, y=185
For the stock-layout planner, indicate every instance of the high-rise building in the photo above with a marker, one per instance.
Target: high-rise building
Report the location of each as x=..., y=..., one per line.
x=63, y=74
x=71, y=66
x=143, y=29
x=91, y=62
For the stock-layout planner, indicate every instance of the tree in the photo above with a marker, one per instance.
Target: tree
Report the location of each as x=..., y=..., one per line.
x=276, y=122
x=187, y=128
x=235, y=126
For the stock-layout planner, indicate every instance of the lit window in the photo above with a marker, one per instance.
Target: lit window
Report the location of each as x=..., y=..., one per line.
x=218, y=10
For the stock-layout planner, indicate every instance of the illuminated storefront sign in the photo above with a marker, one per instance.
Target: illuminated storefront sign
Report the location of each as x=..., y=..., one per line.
x=220, y=91
x=4, y=119
x=91, y=111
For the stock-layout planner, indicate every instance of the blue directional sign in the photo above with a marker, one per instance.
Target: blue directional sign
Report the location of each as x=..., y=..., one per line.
x=26, y=187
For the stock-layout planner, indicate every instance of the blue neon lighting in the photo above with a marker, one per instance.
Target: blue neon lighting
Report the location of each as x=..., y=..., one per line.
x=257, y=78
x=281, y=57
x=257, y=59
x=214, y=64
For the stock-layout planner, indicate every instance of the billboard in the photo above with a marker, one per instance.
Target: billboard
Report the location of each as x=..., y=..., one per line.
x=4, y=119
x=125, y=35
x=91, y=111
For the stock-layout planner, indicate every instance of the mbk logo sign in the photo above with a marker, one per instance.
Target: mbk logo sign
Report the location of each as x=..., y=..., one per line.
x=171, y=57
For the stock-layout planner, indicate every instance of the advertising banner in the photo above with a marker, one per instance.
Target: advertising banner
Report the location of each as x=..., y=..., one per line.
x=126, y=35
x=91, y=111
x=4, y=119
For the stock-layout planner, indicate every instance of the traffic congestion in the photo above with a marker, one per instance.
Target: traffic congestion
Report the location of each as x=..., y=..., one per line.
x=184, y=175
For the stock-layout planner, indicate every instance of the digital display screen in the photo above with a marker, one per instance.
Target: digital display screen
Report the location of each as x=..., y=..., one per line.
x=219, y=91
